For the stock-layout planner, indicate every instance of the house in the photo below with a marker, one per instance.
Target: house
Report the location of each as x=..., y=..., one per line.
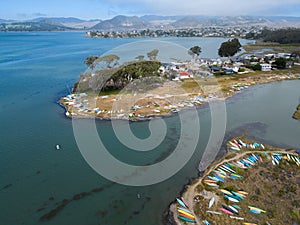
x=185, y=75
x=266, y=67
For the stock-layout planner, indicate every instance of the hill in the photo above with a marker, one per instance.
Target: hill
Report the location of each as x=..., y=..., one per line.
x=122, y=23
x=32, y=26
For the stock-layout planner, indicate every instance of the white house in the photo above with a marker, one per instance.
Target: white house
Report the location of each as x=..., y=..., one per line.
x=266, y=67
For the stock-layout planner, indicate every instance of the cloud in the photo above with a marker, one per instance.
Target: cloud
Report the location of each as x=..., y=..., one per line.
x=38, y=14
x=212, y=7
x=30, y=15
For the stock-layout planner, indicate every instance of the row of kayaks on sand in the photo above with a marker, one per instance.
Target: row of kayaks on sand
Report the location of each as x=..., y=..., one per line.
x=184, y=214
x=237, y=145
x=277, y=157
x=231, y=170
x=183, y=211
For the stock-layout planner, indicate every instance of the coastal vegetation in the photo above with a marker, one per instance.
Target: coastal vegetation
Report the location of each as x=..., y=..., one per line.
x=229, y=48
x=281, y=36
x=297, y=113
x=113, y=77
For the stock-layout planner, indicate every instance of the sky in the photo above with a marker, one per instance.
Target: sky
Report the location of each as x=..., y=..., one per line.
x=105, y=9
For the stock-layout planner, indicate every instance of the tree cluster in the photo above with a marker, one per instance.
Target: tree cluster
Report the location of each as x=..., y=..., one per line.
x=229, y=48
x=115, y=77
x=282, y=36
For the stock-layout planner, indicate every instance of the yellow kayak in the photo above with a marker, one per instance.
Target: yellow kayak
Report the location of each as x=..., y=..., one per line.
x=225, y=192
x=258, y=209
x=186, y=213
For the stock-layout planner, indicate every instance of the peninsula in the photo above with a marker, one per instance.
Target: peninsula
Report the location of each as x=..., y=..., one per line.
x=147, y=88
x=248, y=185
x=297, y=113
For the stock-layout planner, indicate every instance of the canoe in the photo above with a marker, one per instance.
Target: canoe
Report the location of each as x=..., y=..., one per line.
x=231, y=199
x=206, y=222
x=226, y=211
x=255, y=208
x=184, y=209
x=238, y=194
x=186, y=216
x=255, y=211
x=213, y=178
x=235, y=149
x=211, y=202
x=225, y=192
x=181, y=203
x=214, y=212
x=249, y=223
x=237, y=218
x=236, y=206
x=227, y=167
x=184, y=202
x=233, y=209
x=242, y=192
x=210, y=181
x=186, y=219
x=219, y=178
x=229, y=209
x=222, y=171
x=185, y=213
x=211, y=184
x=220, y=174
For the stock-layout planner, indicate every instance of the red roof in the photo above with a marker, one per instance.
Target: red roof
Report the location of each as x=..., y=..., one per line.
x=184, y=74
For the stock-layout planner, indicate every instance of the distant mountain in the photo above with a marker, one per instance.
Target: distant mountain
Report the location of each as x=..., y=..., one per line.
x=156, y=17
x=6, y=21
x=188, y=21
x=59, y=19
x=276, y=19
x=32, y=26
x=122, y=23
x=198, y=21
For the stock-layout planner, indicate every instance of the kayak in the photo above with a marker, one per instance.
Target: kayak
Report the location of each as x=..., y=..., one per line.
x=206, y=222
x=231, y=199
x=255, y=208
x=225, y=192
x=184, y=209
x=226, y=211
x=181, y=203
x=186, y=213
x=186, y=216
x=186, y=219
x=211, y=202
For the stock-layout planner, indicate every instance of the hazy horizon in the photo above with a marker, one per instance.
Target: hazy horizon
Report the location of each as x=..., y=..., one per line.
x=106, y=9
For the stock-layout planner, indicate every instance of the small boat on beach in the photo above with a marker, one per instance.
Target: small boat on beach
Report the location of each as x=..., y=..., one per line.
x=211, y=202
x=226, y=211
x=181, y=203
x=186, y=219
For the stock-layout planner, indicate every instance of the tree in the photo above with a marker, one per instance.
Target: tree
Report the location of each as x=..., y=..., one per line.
x=196, y=50
x=140, y=57
x=257, y=67
x=110, y=60
x=153, y=54
x=90, y=60
x=281, y=63
x=229, y=48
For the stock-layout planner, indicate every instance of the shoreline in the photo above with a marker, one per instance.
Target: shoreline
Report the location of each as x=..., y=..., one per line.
x=189, y=191
x=169, y=114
